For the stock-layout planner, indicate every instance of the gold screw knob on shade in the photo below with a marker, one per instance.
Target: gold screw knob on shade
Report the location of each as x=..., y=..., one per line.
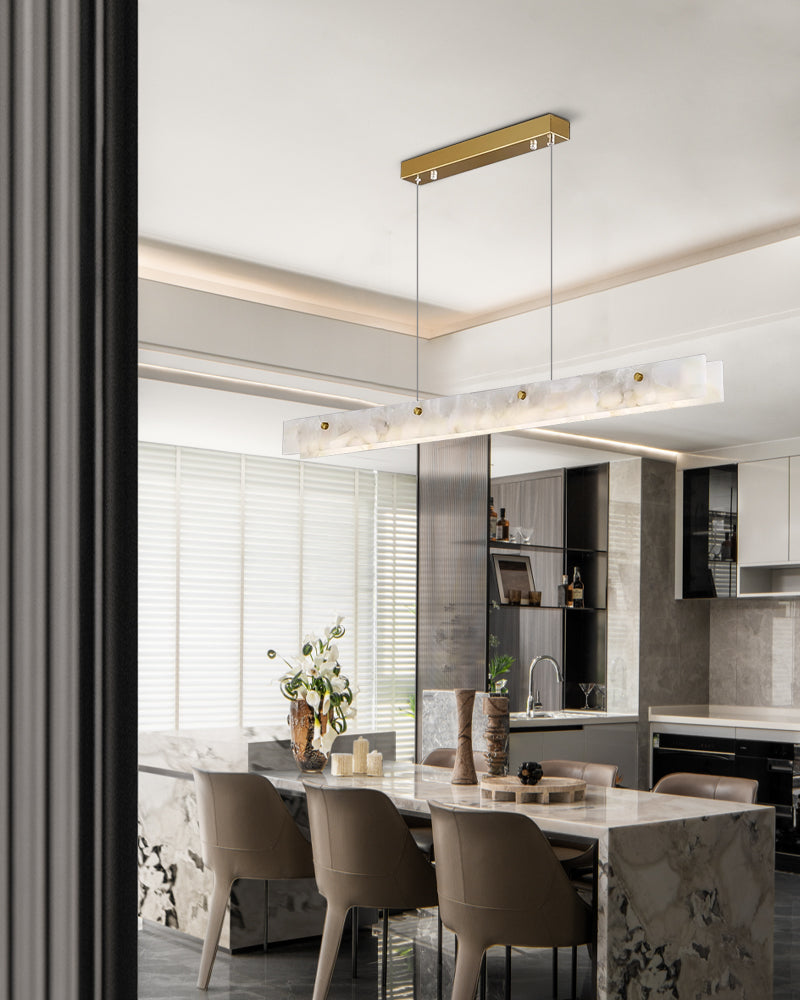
x=522, y=394
x=417, y=411
x=638, y=377
x=324, y=425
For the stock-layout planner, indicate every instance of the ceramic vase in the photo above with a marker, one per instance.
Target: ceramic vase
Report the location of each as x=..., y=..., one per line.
x=464, y=767
x=495, y=708
x=301, y=727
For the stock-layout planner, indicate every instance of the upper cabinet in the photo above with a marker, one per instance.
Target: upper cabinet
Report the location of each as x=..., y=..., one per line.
x=769, y=527
x=709, y=532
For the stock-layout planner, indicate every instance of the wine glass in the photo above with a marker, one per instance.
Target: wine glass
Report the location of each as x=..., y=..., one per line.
x=587, y=687
x=525, y=535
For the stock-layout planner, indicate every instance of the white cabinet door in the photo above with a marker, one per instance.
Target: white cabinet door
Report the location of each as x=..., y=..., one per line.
x=794, y=509
x=763, y=536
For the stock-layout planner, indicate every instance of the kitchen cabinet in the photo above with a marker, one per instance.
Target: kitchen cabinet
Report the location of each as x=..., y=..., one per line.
x=764, y=512
x=710, y=516
x=599, y=742
x=769, y=527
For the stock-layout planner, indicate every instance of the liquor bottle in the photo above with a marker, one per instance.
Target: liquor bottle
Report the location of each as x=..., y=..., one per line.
x=569, y=593
x=492, y=520
x=562, y=591
x=577, y=588
x=502, y=526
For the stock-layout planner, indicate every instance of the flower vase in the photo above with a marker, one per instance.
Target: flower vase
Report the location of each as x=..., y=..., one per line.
x=464, y=767
x=495, y=708
x=301, y=726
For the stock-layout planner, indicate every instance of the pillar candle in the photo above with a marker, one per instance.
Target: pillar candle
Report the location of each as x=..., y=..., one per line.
x=341, y=764
x=360, y=751
x=375, y=764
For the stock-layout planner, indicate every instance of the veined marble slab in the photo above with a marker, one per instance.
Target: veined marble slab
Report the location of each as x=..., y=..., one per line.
x=685, y=887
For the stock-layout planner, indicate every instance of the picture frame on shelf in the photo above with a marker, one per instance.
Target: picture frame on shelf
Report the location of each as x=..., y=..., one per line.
x=513, y=572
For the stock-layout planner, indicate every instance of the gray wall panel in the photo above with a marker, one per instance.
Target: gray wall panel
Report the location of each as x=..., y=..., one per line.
x=452, y=514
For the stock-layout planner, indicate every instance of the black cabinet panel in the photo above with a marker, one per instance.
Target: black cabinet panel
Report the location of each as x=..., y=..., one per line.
x=709, y=531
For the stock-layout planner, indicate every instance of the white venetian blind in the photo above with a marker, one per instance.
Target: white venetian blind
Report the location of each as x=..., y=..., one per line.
x=242, y=554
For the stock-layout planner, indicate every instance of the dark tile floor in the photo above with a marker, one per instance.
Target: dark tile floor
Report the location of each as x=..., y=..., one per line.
x=168, y=964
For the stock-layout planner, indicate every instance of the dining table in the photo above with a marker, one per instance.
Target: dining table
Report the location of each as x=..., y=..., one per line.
x=684, y=887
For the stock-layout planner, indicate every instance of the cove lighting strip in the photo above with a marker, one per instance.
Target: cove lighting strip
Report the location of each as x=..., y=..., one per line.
x=659, y=386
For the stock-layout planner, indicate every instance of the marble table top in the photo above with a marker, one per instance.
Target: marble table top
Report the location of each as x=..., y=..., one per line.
x=412, y=786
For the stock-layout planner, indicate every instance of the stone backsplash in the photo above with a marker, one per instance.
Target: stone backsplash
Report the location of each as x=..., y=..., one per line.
x=754, y=652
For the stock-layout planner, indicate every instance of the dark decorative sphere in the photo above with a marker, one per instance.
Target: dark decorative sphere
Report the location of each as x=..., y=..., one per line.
x=530, y=773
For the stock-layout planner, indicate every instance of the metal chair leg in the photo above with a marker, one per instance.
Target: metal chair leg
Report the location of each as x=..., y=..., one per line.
x=385, y=969
x=555, y=973
x=574, y=970
x=507, y=993
x=438, y=956
x=483, y=977
x=354, y=942
x=266, y=914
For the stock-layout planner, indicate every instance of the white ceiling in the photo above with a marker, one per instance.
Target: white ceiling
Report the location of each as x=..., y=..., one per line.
x=273, y=132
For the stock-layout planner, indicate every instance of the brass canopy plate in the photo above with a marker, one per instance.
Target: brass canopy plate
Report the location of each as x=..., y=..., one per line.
x=513, y=140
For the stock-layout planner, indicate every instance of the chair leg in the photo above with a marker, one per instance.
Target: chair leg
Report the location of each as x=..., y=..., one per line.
x=468, y=969
x=385, y=968
x=507, y=990
x=335, y=917
x=483, y=976
x=266, y=915
x=574, y=982
x=216, y=914
x=555, y=973
x=354, y=943
x=438, y=956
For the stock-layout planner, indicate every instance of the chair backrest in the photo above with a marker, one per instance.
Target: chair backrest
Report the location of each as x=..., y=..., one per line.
x=446, y=757
x=364, y=854
x=709, y=786
x=245, y=827
x=591, y=773
x=500, y=882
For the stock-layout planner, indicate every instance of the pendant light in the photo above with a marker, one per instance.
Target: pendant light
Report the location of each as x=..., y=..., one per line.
x=660, y=385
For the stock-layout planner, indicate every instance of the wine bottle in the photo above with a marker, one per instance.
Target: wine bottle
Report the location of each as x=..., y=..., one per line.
x=492, y=520
x=502, y=526
x=577, y=588
x=569, y=593
x=562, y=591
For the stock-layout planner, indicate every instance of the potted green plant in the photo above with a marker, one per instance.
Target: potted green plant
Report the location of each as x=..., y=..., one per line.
x=495, y=708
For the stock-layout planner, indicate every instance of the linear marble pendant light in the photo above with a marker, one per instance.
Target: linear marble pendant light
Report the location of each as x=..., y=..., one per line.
x=661, y=385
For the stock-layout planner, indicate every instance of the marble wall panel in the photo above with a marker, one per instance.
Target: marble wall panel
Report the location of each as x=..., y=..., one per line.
x=439, y=721
x=755, y=652
x=694, y=922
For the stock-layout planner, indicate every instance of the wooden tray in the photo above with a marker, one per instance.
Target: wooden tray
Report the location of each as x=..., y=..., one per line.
x=546, y=790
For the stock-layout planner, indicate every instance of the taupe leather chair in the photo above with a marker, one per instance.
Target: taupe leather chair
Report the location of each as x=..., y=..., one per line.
x=528, y=903
x=364, y=855
x=246, y=831
x=708, y=786
x=591, y=773
x=446, y=757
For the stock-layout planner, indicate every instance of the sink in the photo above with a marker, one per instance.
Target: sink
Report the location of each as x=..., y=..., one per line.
x=566, y=714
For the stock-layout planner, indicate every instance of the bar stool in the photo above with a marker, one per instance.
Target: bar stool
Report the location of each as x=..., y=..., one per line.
x=364, y=855
x=530, y=903
x=246, y=831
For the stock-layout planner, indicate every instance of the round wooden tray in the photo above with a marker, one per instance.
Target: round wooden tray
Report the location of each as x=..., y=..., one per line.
x=546, y=790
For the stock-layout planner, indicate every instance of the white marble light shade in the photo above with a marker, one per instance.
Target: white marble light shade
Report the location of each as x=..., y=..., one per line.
x=663, y=385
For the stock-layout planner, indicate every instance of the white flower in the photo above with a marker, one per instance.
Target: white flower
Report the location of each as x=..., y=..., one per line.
x=338, y=683
x=326, y=704
x=326, y=740
x=339, y=621
x=319, y=662
x=333, y=653
x=312, y=697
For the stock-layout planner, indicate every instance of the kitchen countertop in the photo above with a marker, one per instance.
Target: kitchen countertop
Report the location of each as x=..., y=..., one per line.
x=769, y=720
x=570, y=717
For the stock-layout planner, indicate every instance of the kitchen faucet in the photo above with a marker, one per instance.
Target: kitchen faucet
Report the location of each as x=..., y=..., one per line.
x=532, y=703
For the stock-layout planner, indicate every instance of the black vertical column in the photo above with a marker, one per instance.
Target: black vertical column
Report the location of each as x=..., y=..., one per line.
x=67, y=500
